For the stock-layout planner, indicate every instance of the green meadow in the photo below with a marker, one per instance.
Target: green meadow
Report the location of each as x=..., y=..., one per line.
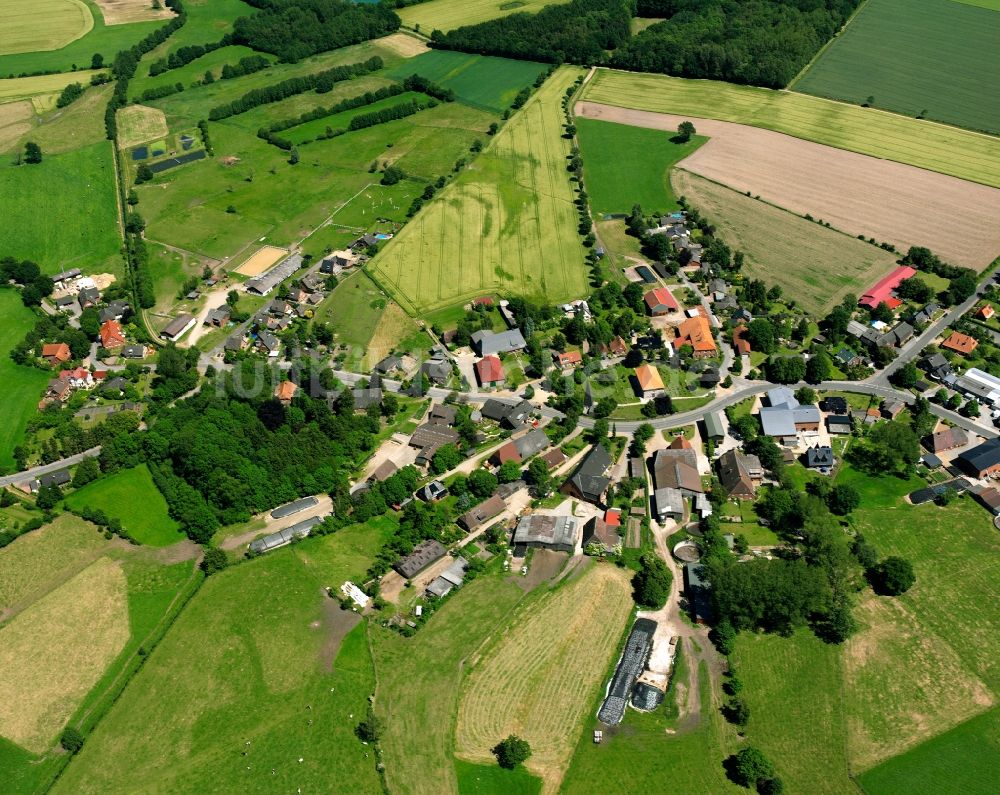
x=627, y=165
x=932, y=58
x=131, y=496
x=23, y=386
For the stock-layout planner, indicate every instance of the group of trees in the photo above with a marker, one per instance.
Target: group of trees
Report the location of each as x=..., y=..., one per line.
x=759, y=42
x=579, y=32
x=962, y=283
x=183, y=56
x=296, y=29
x=400, y=111
x=35, y=285
x=651, y=584
x=69, y=95
x=246, y=65
x=320, y=82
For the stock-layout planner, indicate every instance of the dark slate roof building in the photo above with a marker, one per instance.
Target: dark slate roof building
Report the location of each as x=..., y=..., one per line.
x=389, y=364
x=486, y=510
x=982, y=460
x=486, y=342
x=820, y=458
x=555, y=532
x=363, y=398
x=437, y=370
x=590, y=481
x=423, y=555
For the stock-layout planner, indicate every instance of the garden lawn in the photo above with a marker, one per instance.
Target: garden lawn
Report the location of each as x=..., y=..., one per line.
x=62, y=212
x=104, y=39
x=934, y=58
x=23, y=386
x=447, y=15
x=132, y=497
x=507, y=223
x=479, y=80
x=249, y=661
x=625, y=166
x=964, y=759
x=936, y=147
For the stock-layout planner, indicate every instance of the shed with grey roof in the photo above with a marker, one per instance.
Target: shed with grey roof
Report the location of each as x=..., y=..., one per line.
x=423, y=555
x=486, y=342
x=552, y=532
x=283, y=537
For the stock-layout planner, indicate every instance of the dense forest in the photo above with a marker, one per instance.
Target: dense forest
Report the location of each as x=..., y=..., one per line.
x=296, y=29
x=578, y=32
x=760, y=42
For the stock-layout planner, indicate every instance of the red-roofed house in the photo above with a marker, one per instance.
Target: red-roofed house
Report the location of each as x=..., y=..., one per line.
x=881, y=293
x=960, y=343
x=986, y=311
x=613, y=517
x=483, y=301
x=740, y=342
x=696, y=332
x=489, y=371
x=79, y=378
x=568, y=359
x=56, y=353
x=112, y=335
x=660, y=302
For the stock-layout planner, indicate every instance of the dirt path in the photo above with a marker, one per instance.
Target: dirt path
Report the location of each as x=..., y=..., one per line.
x=214, y=298
x=857, y=194
x=321, y=508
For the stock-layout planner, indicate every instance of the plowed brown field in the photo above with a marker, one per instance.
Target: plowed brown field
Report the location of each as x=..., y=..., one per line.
x=858, y=194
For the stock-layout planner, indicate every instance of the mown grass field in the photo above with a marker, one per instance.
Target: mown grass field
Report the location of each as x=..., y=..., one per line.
x=79, y=125
x=494, y=780
x=23, y=386
x=814, y=265
x=353, y=310
x=57, y=649
x=963, y=759
x=42, y=25
x=447, y=15
x=61, y=213
x=540, y=678
x=479, y=80
x=625, y=165
x=925, y=144
x=101, y=38
x=256, y=657
x=131, y=496
x=506, y=224
x=22, y=87
x=934, y=58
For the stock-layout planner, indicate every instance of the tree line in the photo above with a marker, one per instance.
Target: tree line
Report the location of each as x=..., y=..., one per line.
x=320, y=82
x=183, y=56
x=296, y=29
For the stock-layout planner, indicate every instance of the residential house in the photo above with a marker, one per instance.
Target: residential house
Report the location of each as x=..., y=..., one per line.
x=649, y=382
x=487, y=342
x=820, y=458
x=112, y=336
x=442, y=414
x=65, y=302
x=845, y=357
x=509, y=414
x=522, y=448
x=428, y=438
x=590, y=481
x=60, y=279
x=384, y=471
x=489, y=372
x=438, y=371
x=834, y=404
x=554, y=458
x=423, y=555
x=881, y=291
x=891, y=408
x=697, y=332
x=985, y=312
x=559, y=533
x=219, y=316
x=660, y=302
x=926, y=315
x=484, y=512
x=606, y=538
x=49, y=480
x=740, y=474
x=235, y=343
x=568, y=359
x=55, y=353
x=389, y=364
x=937, y=367
x=960, y=343
x=79, y=378
x=57, y=391
x=177, y=327
x=88, y=297
x=268, y=343
x=433, y=491
x=948, y=439
x=677, y=468
x=896, y=337
x=134, y=352
x=740, y=342
x=115, y=310
x=285, y=391
x=983, y=460
x=617, y=347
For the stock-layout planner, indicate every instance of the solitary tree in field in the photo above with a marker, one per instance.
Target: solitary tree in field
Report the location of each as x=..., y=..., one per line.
x=893, y=576
x=750, y=766
x=511, y=752
x=71, y=739
x=97, y=61
x=32, y=153
x=293, y=156
x=685, y=130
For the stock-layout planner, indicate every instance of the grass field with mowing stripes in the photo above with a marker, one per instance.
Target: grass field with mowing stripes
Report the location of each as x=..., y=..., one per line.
x=626, y=165
x=925, y=144
x=934, y=58
x=447, y=15
x=507, y=223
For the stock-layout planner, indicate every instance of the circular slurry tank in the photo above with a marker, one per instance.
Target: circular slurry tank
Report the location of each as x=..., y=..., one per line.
x=687, y=551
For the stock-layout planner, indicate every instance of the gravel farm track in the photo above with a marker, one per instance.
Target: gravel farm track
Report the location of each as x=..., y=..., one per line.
x=855, y=193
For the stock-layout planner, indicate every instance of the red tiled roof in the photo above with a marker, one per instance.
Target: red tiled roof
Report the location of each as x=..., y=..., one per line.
x=507, y=453
x=112, y=335
x=489, y=369
x=696, y=332
x=740, y=341
x=960, y=343
x=880, y=293
x=648, y=377
x=570, y=357
x=56, y=350
x=661, y=295
x=613, y=517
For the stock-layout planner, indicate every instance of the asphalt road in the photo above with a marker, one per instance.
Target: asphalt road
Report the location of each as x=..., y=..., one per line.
x=45, y=469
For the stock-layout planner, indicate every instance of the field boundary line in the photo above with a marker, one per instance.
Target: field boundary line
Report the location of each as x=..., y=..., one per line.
x=822, y=50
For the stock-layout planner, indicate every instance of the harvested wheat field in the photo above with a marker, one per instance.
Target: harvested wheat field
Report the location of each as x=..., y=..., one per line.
x=544, y=675
x=404, y=44
x=15, y=120
x=138, y=124
x=262, y=260
x=121, y=12
x=858, y=194
x=814, y=265
x=906, y=683
x=393, y=327
x=53, y=653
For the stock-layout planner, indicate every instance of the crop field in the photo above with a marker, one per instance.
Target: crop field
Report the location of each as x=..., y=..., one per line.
x=419, y=740
x=138, y=124
x=815, y=265
x=22, y=87
x=121, y=12
x=626, y=165
x=79, y=226
x=273, y=675
x=963, y=759
x=37, y=559
x=131, y=496
x=23, y=386
x=541, y=677
x=447, y=15
x=42, y=25
x=55, y=651
x=856, y=194
x=480, y=80
x=936, y=147
x=507, y=223
x=933, y=58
